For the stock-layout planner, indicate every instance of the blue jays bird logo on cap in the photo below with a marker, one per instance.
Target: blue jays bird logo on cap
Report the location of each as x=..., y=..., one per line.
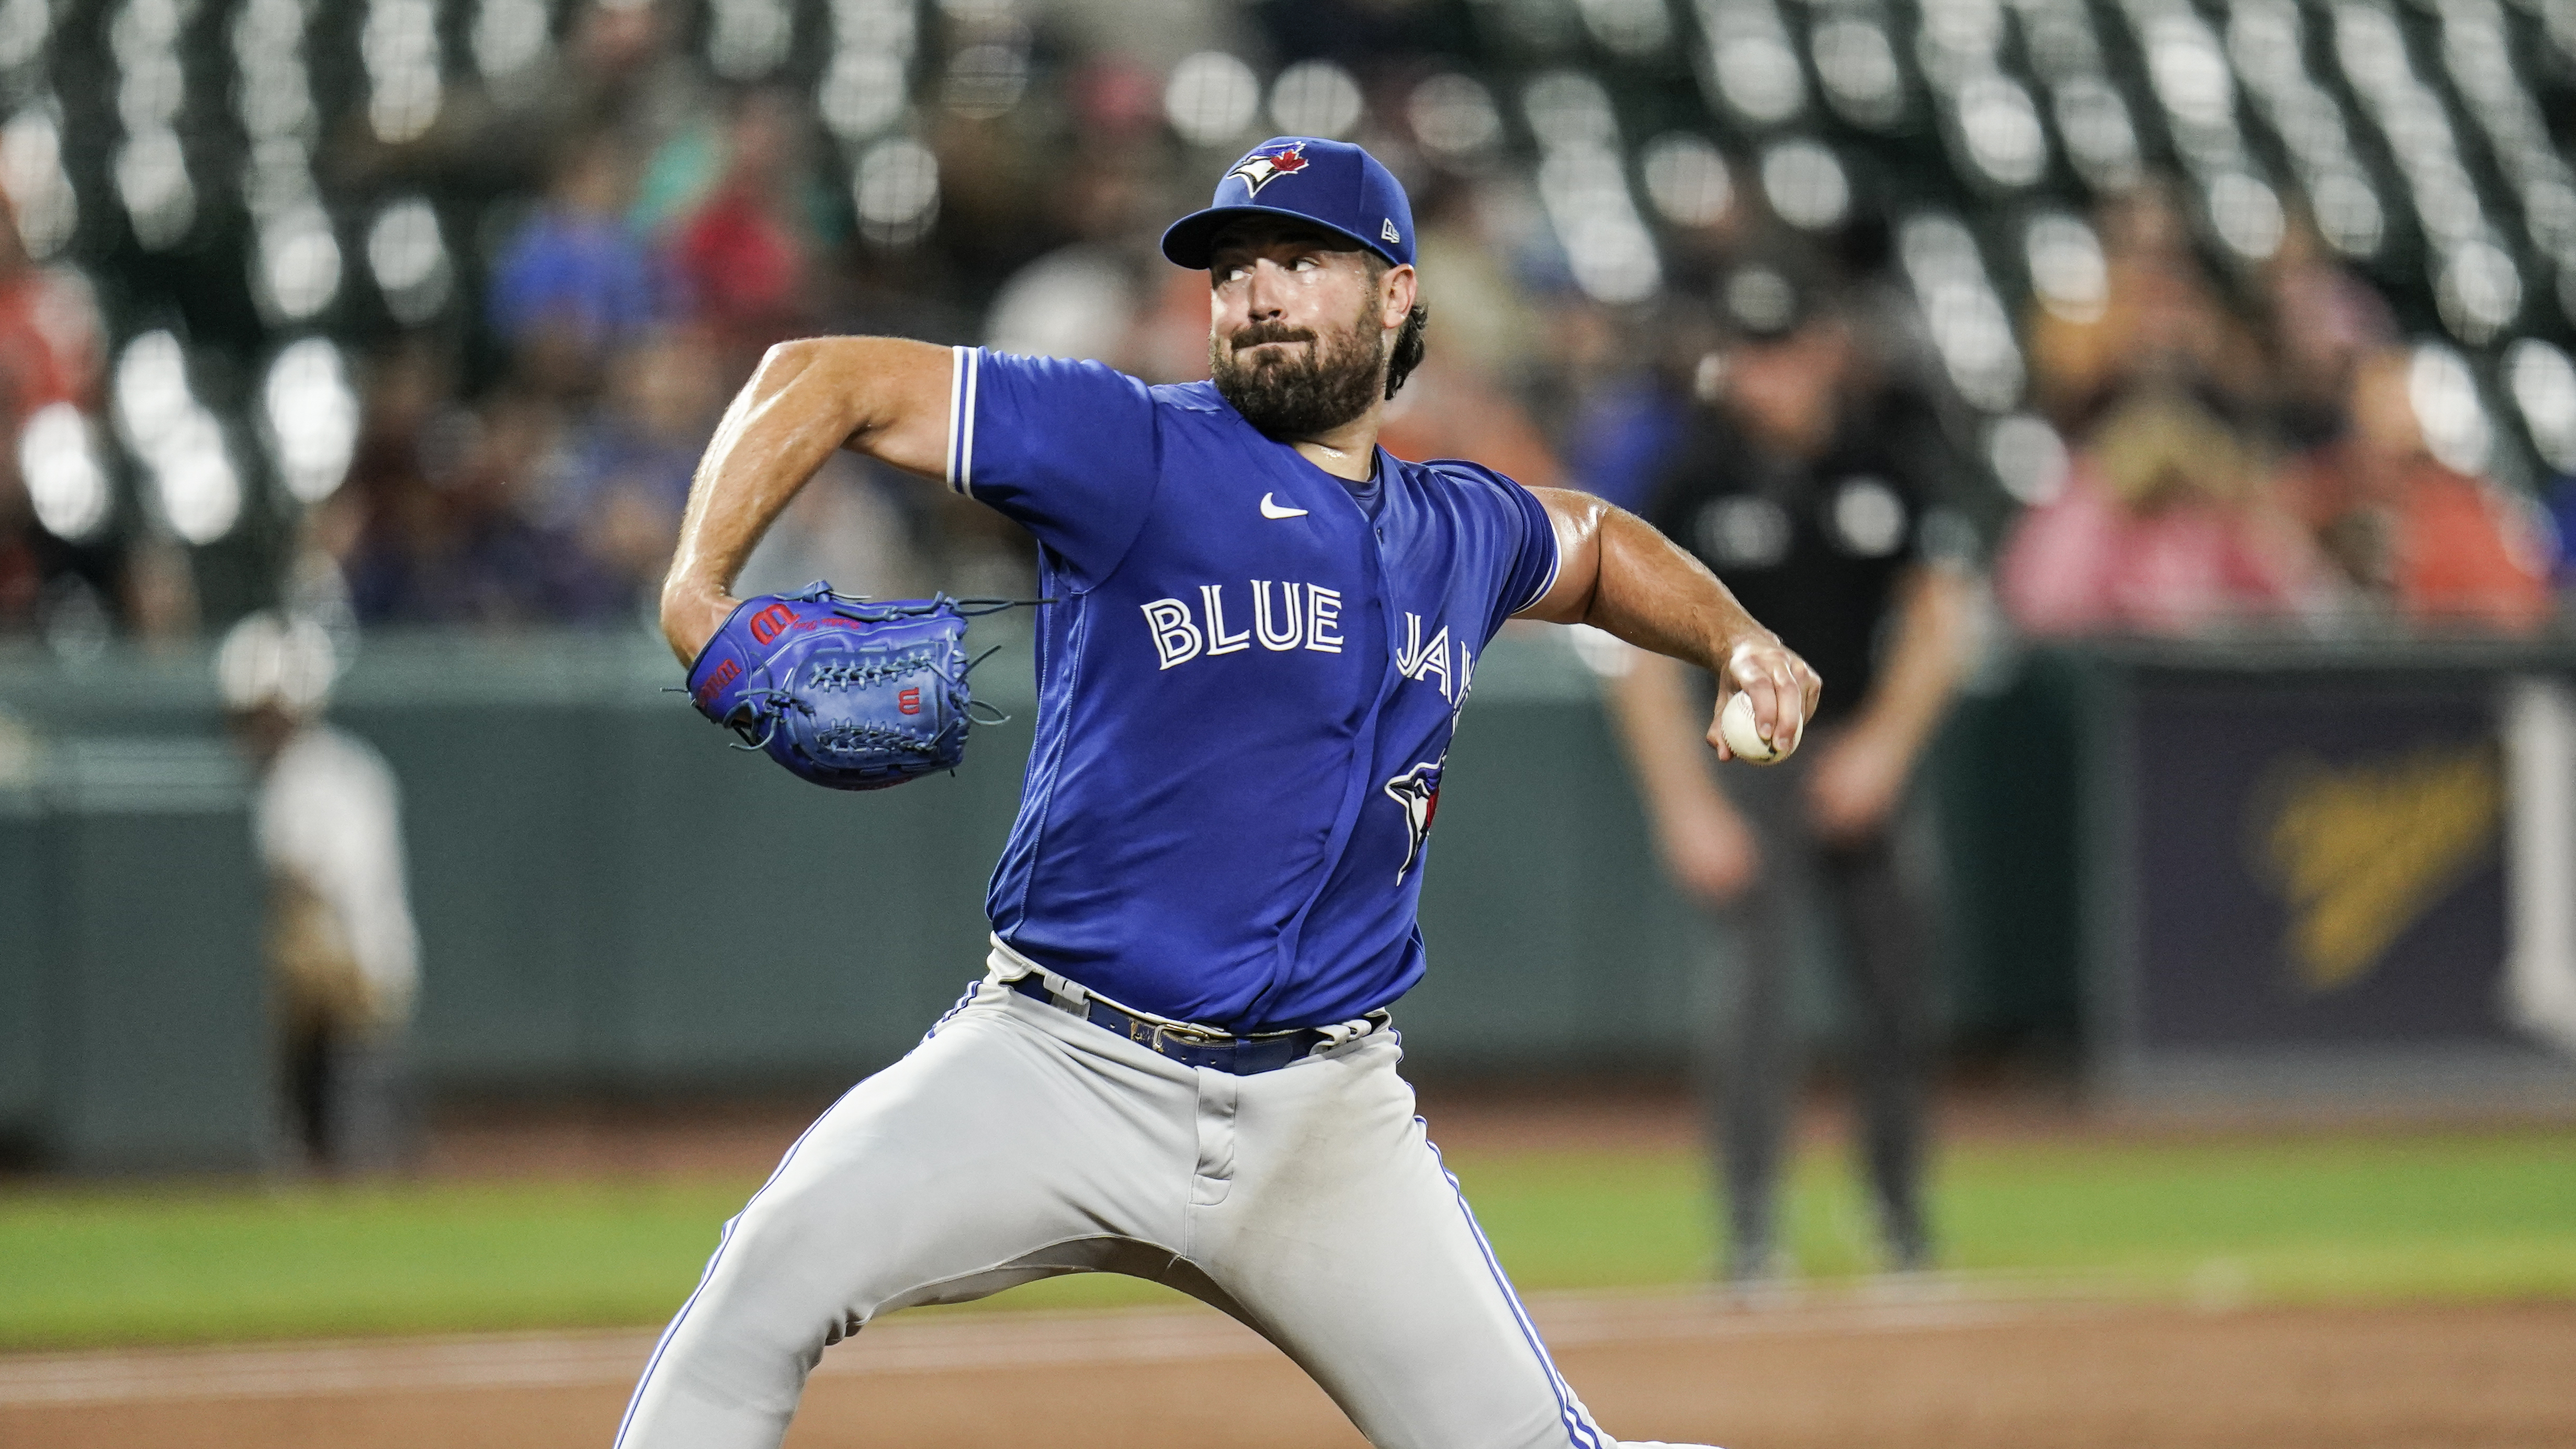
x=1263, y=167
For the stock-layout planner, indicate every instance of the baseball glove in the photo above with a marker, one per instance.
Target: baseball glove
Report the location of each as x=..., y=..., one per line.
x=849, y=692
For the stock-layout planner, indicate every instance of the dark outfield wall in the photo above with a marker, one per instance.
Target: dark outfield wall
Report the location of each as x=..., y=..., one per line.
x=609, y=898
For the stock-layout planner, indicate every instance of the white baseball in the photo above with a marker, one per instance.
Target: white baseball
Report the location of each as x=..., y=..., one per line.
x=1735, y=724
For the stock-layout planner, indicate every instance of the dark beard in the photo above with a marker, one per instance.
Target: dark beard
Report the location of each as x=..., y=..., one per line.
x=1304, y=396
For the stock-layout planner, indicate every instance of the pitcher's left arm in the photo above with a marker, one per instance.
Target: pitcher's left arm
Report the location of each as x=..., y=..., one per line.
x=1617, y=574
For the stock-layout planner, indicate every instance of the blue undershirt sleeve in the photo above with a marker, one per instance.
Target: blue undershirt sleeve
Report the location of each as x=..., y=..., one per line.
x=1066, y=449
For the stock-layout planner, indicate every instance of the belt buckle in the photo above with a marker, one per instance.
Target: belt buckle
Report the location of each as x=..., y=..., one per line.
x=1184, y=1036
x=1190, y=1048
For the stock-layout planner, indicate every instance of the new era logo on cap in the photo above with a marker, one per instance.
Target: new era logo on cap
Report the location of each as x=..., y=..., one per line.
x=1387, y=230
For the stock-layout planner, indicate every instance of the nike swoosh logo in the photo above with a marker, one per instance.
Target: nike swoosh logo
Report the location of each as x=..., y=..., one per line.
x=1270, y=509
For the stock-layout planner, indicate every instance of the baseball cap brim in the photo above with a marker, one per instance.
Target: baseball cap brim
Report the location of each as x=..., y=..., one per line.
x=1189, y=241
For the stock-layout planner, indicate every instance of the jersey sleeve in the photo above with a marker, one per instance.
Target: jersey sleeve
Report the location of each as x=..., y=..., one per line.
x=1066, y=449
x=1535, y=562
x=1522, y=537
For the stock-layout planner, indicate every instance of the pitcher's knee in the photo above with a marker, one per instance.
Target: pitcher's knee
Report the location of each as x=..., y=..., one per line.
x=761, y=1304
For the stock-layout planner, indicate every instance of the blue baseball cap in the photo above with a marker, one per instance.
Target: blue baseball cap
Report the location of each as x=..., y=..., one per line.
x=1333, y=184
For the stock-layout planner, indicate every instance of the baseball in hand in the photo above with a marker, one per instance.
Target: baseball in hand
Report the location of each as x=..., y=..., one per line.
x=1735, y=725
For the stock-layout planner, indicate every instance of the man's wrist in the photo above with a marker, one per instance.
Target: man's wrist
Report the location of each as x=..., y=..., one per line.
x=691, y=614
x=1724, y=643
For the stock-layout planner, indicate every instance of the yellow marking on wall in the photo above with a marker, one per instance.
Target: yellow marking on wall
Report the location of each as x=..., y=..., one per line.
x=2361, y=852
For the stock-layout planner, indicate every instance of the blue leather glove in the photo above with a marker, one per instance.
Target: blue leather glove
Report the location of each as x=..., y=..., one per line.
x=848, y=692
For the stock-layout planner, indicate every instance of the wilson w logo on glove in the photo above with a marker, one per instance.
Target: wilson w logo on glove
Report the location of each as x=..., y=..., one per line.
x=846, y=691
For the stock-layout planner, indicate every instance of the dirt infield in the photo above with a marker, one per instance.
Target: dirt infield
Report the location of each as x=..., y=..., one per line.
x=1852, y=1373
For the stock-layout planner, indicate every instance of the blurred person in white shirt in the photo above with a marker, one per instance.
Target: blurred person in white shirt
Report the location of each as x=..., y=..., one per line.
x=344, y=958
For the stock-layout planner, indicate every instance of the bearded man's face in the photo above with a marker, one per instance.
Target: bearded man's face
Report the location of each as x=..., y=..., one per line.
x=1298, y=341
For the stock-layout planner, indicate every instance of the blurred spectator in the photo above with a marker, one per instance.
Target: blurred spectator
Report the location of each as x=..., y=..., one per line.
x=2444, y=550
x=2167, y=524
x=2324, y=321
x=2558, y=497
x=2158, y=327
x=850, y=525
x=22, y=562
x=742, y=254
x=50, y=343
x=1170, y=342
x=1086, y=298
x=1812, y=488
x=1078, y=301
x=1622, y=434
x=387, y=496
x=615, y=72
x=1450, y=409
x=160, y=592
x=344, y=959
x=699, y=171
x=50, y=353
x=623, y=75
x=1473, y=235
x=573, y=283
x=444, y=518
x=628, y=466
x=1632, y=418
x=1368, y=35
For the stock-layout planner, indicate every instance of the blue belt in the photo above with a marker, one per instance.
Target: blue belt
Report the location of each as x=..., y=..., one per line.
x=1244, y=1056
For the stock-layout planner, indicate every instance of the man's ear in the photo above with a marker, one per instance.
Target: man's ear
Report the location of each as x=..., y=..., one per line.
x=1396, y=293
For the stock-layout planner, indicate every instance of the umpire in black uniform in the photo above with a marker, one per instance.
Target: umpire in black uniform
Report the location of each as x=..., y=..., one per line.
x=1808, y=478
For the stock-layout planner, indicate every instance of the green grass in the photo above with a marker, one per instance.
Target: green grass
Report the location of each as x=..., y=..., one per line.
x=2343, y=1218
x=175, y=1265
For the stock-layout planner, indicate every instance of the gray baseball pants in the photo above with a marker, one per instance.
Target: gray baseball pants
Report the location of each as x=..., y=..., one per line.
x=1018, y=1142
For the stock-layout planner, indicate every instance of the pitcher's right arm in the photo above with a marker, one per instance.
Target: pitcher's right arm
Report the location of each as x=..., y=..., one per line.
x=887, y=397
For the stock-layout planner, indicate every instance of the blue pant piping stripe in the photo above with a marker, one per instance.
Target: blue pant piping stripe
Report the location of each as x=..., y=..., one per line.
x=1579, y=1432
x=962, y=1002
x=951, y=1014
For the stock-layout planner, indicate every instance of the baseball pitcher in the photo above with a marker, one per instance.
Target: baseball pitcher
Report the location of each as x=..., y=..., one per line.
x=1261, y=631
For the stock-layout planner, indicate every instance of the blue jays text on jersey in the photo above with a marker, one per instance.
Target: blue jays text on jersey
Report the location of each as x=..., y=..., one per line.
x=1244, y=696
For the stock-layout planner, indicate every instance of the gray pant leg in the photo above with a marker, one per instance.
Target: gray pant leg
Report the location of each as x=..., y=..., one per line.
x=1886, y=959
x=1337, y=1234
x=1746, y=1060
x=1747, y=1068
x=1019, y=1142
x=1749, y=1063
x=1008, y=1147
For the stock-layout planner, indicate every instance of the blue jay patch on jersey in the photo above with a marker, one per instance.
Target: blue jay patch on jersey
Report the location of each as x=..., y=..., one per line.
x=1246, y=697
x=1418, y=791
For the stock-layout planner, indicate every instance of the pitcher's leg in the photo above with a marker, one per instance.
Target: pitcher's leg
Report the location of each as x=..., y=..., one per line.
x=992, y=1155
x=1341, y=1239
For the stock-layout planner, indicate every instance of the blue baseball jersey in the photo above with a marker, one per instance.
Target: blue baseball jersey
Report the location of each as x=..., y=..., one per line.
x=1245, y=693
